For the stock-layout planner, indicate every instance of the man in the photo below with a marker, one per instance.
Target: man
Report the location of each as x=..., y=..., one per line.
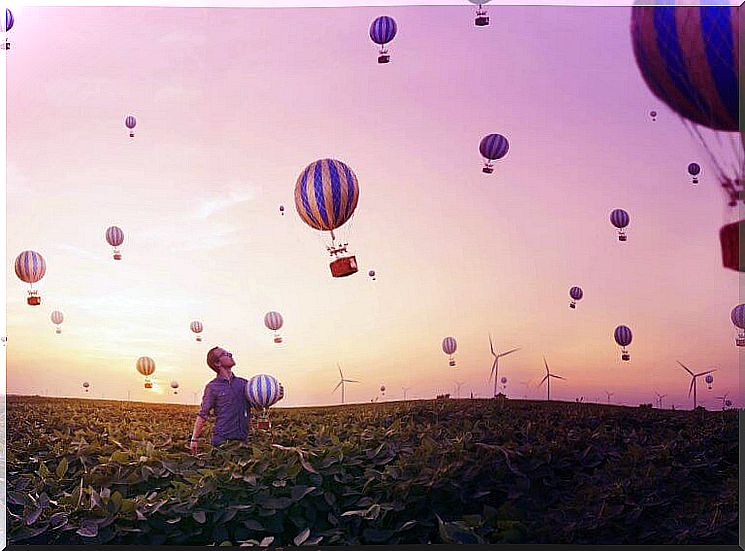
x=226, y=396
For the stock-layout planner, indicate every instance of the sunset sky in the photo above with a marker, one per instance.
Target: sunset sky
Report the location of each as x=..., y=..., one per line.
x=232, y=104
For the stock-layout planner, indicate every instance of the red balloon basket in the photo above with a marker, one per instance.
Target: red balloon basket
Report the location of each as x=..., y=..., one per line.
x=729, y=237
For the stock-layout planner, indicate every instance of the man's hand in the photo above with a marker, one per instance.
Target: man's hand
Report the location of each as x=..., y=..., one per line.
x=193, y=446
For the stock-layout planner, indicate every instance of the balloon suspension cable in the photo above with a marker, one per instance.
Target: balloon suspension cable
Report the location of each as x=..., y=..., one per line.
x=333, y=249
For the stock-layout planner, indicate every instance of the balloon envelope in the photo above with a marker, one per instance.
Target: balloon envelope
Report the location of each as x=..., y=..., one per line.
x=262, y=390
x=326, y=194
x=619, y=218
x=174, y=384
x=449, y=345
x=57, y=317
x=383, y=30
x=130, y=122
x=738, y=316
x=30, y=266
x=114, y=236
x=273, y=320
x=145, y=365
x=709, y=379
x=494, y=146
x=575, y=293
x=623, y=336
x=694, y=169
x=9, y=20
x=196, y=326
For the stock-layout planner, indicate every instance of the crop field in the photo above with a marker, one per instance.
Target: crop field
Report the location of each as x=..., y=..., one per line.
x=439, y=471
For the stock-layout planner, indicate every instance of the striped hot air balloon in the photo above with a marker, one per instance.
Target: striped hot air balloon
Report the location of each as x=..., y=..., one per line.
x=576, y=294
x=115, y=237
x=146, y=366
x=174, y=386
x=653, y=115
x=694, y=169
x=9, y=20
x=738, y=319
x=709, y=380
x=262, y=391
x=274, y=321
x=623, y=337
x=371, y=273
x=30, y=268
x=326, y=195
x=57, y=319
x=196, y=327
x=449, y=346
x=492, y=148
x=130, y=122
x=382, y=31
x=86, y=385
x=620, y=219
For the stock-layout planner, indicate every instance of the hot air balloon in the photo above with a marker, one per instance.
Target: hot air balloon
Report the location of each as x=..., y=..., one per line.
x=694, y=170
x=575, y=294
x=503, y=380
x=688, y=57
x=9, y=20
x=371, y=273
x=738, y=318
x=86, y=385
x=174, y=386
x=449, y=346
x=709, y=379
x=57, y=319
x=481, y=18
x=30, y=268
x=620, y=219
x=623, y=337
x=282, y=210
x=274, y=321
x=382, y=31
x=130, y=122
x=653, y=115
x=196, y=327
x=146, y=367
x=382, y=389
x=326, y=195
x=263, y=391
x=493, y=147
x=115, y=237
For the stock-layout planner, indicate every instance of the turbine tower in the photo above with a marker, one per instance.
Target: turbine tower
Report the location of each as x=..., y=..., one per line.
x=405, y=389
x=458, y=384
x=495, y=365
x=342, y=380
x=609, y=394
x=694, y=380
x=547, y=379
x=659, y=399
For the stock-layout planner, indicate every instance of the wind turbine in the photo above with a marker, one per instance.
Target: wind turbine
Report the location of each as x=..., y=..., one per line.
x=525, y=384
x=723, y=399
x=548, y=379
x=694, y=379
x=342, y=380
x=659, y=399
x=609, y=394
x=495, y=365
x=458, y=384
x=405, y=389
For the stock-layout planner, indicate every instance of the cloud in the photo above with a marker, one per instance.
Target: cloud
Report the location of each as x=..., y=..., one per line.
x=236, y=194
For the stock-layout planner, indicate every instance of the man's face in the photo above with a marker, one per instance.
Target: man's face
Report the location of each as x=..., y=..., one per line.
x=223, y=359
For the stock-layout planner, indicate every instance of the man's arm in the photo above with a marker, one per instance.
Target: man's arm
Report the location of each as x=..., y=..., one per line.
x=208, y=402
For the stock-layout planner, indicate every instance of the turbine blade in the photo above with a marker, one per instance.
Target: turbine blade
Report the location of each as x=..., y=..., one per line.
x=340, y=373
x=510, y=352
x=546, y=364
x=705, y=372
x=543, y=380
x=684, y=367
x=491, y=345
x=337, y=386
x=350, y=381
x=557, y=377
x=690, y=388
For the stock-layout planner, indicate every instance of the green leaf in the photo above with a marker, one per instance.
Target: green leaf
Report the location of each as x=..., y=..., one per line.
x=88, y=529
x=61, y=470
x=119, y=457
x=199, y=516
x=33, y=516
x=301, y=537
x=299, y=492
x=266, y=542
x=225, y=544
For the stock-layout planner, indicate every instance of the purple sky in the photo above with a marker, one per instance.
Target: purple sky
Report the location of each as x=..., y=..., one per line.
x=233, y=103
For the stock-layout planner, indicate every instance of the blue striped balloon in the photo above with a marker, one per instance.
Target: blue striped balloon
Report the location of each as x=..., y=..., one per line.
x=622, y=335
x=130, y=122
x=694, y=169
x=30, y=266
x=9, y=20
x=262, y=391
x=494, y=146
x=619, y=218
x=738, y=316
x=688, y=56
x=326, y=194
x=449, y=345
x=575, y=293
x=114, y=236
x=383, y=30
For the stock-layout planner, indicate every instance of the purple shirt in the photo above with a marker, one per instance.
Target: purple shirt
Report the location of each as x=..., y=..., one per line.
x=232, y=410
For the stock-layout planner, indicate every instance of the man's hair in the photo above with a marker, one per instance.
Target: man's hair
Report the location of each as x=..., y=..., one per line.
x=211, y=359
